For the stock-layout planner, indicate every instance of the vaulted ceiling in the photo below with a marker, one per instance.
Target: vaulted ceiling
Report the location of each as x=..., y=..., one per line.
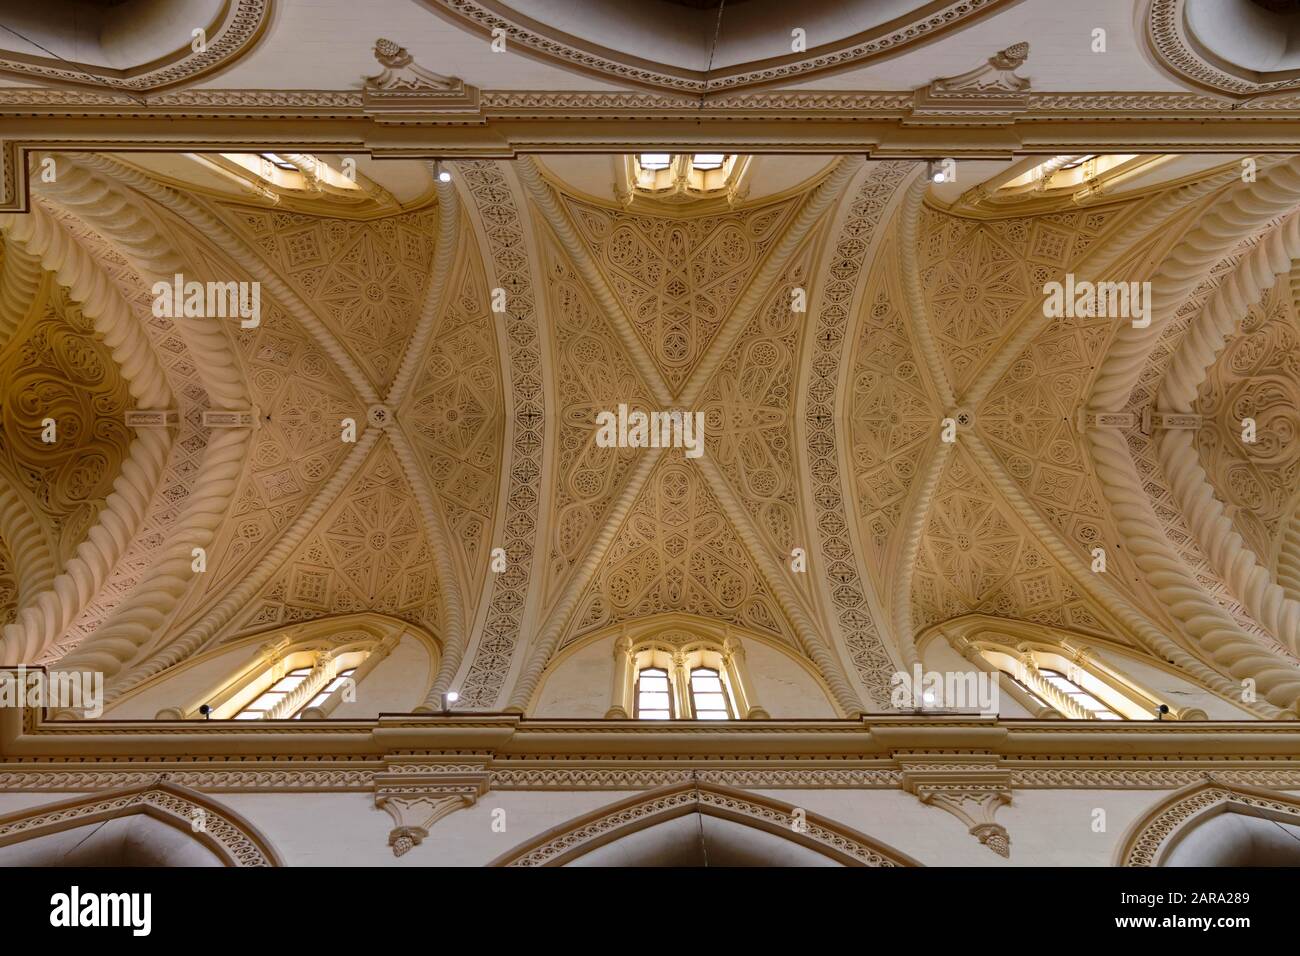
x=476, y=429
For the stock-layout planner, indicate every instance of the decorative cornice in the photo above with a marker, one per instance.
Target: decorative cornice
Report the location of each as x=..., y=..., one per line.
x=927, y=23
x=232, y=35
x=1174, y=49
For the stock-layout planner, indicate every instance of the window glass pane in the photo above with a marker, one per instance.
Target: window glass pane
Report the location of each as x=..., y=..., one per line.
x=653, y=694
x=708, y=695
x=266, y=701
x=249, y=715
x=655, y=160
x=279, y=161
x=708, y=160
x=1080, y=696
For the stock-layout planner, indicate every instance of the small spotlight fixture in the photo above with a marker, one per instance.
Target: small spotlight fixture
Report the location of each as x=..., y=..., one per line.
x=444, y=175
x=936, y=173
x=206, y=711
x=448, y=698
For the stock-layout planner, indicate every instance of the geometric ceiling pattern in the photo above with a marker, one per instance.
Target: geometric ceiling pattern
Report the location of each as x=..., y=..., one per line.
x=914, y=443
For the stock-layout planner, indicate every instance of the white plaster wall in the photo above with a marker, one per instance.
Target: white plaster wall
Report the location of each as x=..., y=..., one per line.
x=1175, y=690
x=939, y=656
x=346, y=829
x=396, y=685
x=782, y=687
x=1047, y=827
x=580, y=685
x=183, y=685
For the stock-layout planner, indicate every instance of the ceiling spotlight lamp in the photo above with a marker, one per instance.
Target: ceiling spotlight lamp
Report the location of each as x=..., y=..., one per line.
x=442, y=174
x=938, y=171
x=448, y=698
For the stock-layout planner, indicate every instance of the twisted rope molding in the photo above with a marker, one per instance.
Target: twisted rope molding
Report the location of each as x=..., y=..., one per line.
x=1232, y=558
x=48, y=613
x=20, y=528
x=123, y=218
x=201, y=633
x=1238, y=212
x=20, y=277
x=136, y=620
x=810, y=639
x=20, y=531
x=201, y=218
x=1142, y=630
x=1288, y=558
x=1101, y=257
x=1209, y=626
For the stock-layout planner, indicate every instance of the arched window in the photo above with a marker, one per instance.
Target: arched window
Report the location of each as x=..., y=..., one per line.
x=1090, y=704
x=654, y=694
x=708, y=695
x=1023, y=687
x=264, y=703
x=326, y=691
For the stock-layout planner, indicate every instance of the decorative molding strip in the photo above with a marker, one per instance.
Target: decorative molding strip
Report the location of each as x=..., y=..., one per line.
x=232, y=418
x=339, y=774
x=1153, y=836
x=821, y=413
x=232, y=35
x=927, y=23
x=227, y=834
x=1174, y=49
x=1153, y=420
x=571, y=840
x=1087, y=418
x=503, y=225
x=152, y=418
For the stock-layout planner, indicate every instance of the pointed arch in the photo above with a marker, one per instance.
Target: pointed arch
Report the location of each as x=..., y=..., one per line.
x=1153, y=836
x=569, y=841
x=234, y=840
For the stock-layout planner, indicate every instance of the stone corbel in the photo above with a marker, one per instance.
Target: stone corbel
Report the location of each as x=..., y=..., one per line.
x=991, y=94
x=418, y=795
x=972, y=792
x=405, y=90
